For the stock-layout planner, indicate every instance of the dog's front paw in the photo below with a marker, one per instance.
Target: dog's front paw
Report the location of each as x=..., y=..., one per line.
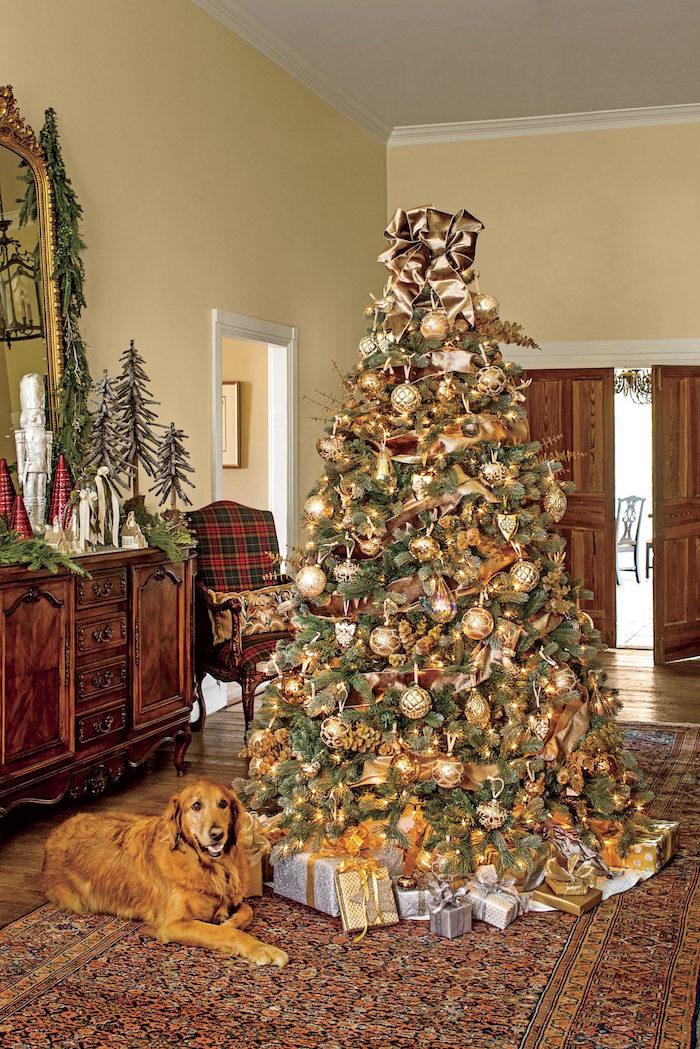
x=242, y=916
x=264, y=954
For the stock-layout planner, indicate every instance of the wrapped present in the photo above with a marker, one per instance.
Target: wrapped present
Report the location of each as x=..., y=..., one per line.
x=577, y=905
x=494, y=902
x=255, y=879
x=308, y=877
x=653, y=848
x=575, y=879
x=413, y=900
x=365, y=895
x=450, y=911
x=254, y=839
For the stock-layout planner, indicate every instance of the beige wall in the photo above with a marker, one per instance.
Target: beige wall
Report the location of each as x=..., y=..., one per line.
x=208, y=178
x=588, y=235
x=246, y=363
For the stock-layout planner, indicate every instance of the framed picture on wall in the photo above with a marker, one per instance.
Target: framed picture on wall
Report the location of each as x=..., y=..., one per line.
x=231, y=424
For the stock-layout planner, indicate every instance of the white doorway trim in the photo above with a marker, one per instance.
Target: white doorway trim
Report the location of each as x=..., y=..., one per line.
x=281, y=341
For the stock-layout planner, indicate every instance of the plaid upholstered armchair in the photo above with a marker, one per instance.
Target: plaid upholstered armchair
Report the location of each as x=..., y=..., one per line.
x=243, y=604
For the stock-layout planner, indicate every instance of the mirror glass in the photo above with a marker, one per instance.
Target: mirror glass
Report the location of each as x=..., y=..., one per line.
x=23, y=346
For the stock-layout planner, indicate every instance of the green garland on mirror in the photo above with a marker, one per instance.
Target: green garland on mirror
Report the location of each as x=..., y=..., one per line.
x=74, y=423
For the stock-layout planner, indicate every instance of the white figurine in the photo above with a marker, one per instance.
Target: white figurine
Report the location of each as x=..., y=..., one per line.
x=33, y=442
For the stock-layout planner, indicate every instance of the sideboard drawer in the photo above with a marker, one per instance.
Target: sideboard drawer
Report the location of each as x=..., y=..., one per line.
x=94, y=636
x=104, y=586
x=95, y=726
x=104, y=677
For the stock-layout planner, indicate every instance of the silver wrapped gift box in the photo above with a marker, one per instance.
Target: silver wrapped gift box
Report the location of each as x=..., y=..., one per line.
x=495, y=902
x=452, y=919
x=413, y=904
x=309, y=877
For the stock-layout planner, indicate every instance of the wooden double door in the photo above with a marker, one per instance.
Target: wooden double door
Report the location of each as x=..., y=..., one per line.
x=575, y=407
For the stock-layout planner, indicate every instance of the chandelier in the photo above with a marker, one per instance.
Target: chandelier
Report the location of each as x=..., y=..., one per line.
x=634, y=383
x=20, y=309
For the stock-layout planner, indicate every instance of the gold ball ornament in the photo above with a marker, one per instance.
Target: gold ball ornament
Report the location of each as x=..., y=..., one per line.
x=485, y=305
x=335, y=733
x=372, y=383
x=424, y=547
x=493, y=474
x=332, y=448
x=471, y=425
x=405, y=398
x=585, y=620
x=525, y=576
x=384, y=303
x=447, y=771
x=563, y=679
x=311, y=581
x=554, y=502
x=477, y=710
x=384, y=641
x=367, y=346
x=415, y=702
x=406, y=768
x=310, y=769
x=477, y=623
x=317, y=507
x=371, y=546
x=491, y=380
x=533, y=788
x=347, y=571
x=434, y=325
x=293, y=688
x=491, y=814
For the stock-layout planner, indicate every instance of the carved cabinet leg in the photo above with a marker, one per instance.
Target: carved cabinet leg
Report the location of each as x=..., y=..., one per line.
x=182, y=742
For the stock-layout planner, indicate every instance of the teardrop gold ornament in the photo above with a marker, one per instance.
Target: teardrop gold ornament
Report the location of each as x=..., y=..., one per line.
x=507, y=525
x=441, y=605
x=554, y=501
x=477, y=710
x=384, y=472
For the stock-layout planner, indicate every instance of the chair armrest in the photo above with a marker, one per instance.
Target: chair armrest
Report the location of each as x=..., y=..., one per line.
x=229, y=604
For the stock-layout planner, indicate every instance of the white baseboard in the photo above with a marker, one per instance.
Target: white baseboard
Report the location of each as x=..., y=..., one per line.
x=214, y=693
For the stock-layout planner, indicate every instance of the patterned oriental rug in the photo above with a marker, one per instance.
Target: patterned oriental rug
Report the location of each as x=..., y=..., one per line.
x=621, y=977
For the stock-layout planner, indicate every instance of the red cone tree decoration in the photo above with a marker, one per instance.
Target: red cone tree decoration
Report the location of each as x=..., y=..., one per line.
x=19, y=521
x=7, y=490
x=60, y=493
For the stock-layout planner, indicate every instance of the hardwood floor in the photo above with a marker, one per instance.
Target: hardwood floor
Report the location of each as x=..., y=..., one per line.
x=649, y=694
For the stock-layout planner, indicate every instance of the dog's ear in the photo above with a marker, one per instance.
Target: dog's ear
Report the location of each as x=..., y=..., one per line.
x=173, y=821
x=237, y=812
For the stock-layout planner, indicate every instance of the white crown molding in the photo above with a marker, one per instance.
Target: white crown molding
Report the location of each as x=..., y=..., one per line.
x=606, y=119
x=614, y=353
x=245, y=25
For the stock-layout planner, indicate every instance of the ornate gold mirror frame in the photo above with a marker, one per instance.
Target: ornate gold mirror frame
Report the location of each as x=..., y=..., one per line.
x=20, y=138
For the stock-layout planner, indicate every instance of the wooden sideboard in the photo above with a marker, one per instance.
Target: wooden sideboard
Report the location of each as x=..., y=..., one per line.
x=94, y=673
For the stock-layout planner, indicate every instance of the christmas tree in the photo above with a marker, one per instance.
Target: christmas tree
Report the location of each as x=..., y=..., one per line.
x=172, y=468
x=441, y=661
x=107, y=445
x=135, y=406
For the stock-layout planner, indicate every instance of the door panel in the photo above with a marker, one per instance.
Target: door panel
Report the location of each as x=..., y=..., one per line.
x=676, y=464
x=575, y=406
x=36, y=681
x=160, y=641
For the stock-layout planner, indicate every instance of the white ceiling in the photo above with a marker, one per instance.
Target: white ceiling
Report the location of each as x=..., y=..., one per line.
x=393, y=63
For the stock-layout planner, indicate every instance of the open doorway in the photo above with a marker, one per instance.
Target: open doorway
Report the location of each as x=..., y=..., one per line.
x=633, y=509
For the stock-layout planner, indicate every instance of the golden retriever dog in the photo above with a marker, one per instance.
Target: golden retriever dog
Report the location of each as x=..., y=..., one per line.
x=181, y=873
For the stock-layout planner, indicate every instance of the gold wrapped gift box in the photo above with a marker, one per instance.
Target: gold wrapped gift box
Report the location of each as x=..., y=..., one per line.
x=365, y=895
x=577, y=905
x=653, y=848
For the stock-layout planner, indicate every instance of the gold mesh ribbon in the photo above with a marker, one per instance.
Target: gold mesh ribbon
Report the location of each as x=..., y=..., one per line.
x=579, y=876
x=434, y=248
x=352, y=843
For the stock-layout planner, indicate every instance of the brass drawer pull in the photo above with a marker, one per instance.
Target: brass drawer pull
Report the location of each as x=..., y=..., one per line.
x=104, y=589
x=103, y=681
x=101, y=728
x=103, y=634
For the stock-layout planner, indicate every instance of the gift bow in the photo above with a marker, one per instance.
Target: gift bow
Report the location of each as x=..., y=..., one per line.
x=354, y=841
x=443, y=894
x=368, y=872
x=104, y=485
x=578, y=872
x=429, y=247
x=253, y=838
x=88, y=498
x=485, y=883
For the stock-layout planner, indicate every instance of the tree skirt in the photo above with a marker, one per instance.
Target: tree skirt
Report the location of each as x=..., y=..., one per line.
x=621, y=977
